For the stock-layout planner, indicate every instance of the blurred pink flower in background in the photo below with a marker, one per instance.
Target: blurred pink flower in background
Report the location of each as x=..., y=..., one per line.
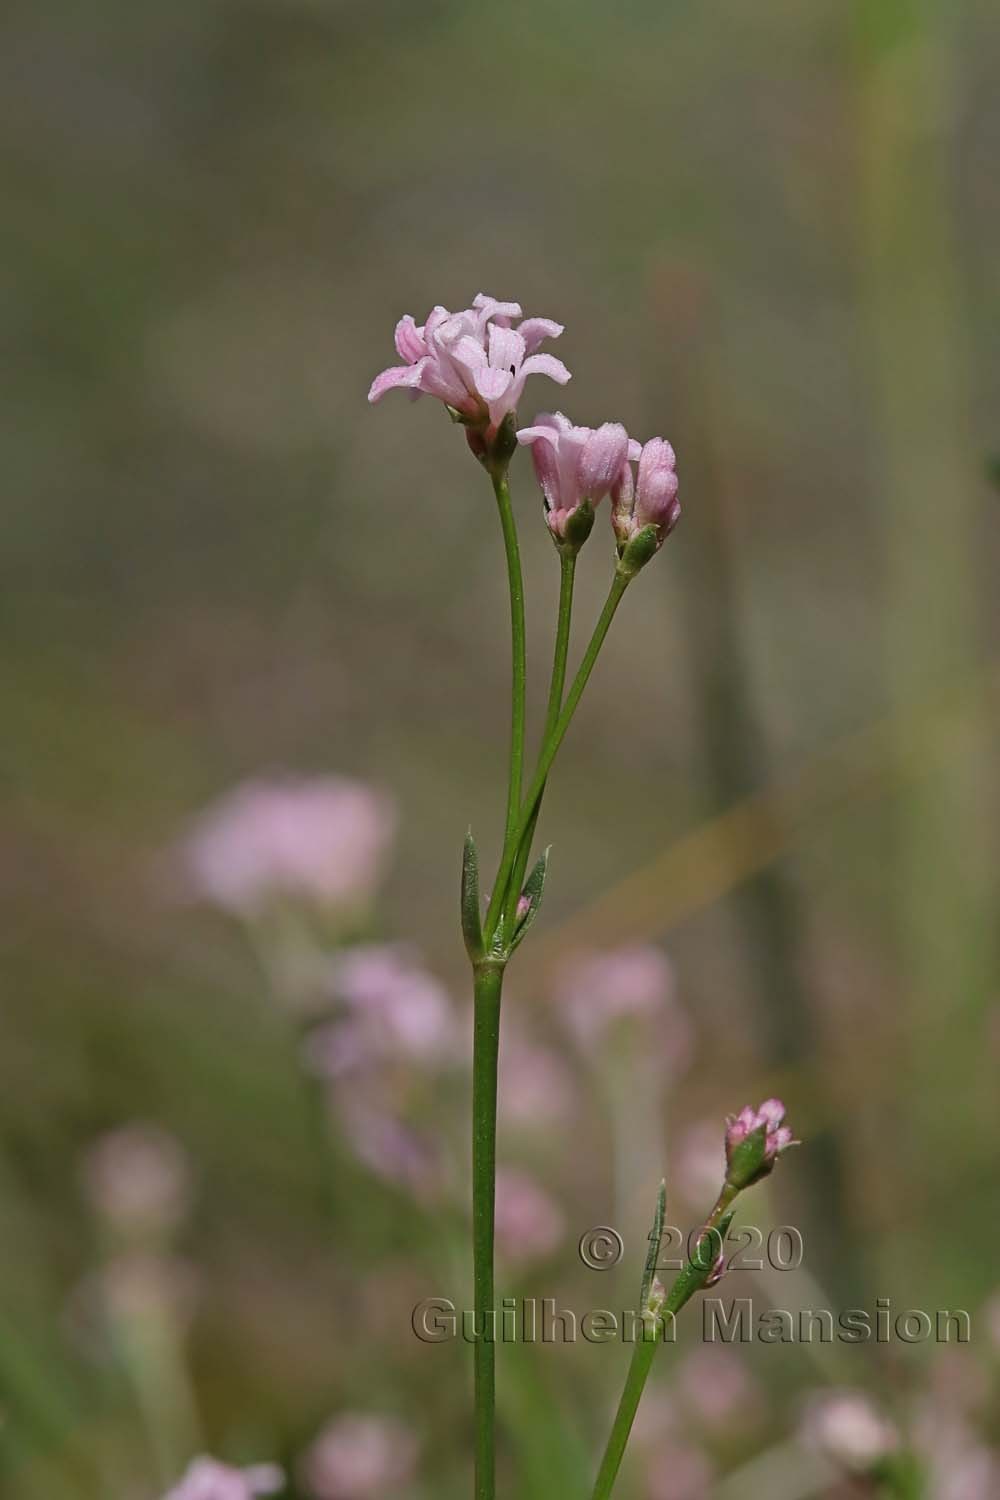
x=715, y=1386
x=678, y=1472
x=387, y=1145
x=474, y=361
x=320, y=840
x=529, y=1223
x=598, y=991
x=397, y=1008
x=959, y=1465
x=138, y=1179
x=207, y=1479
x=536, y=1085
x=360, y=1456
x=846, y=1426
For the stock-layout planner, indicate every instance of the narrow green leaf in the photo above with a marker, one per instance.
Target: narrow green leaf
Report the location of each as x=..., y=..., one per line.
x=653, y=1253
x=472, y=920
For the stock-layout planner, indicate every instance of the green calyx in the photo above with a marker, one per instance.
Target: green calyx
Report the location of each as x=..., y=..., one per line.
x=749, y=1160
x=638, y=550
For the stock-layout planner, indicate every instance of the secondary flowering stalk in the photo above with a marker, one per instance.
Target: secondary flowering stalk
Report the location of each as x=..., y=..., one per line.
x=476, y=362
x=705, y=1268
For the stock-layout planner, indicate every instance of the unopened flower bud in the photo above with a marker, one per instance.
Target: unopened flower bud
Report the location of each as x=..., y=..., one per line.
x=754, y=1141
x=645, y=510
x=718, y=1270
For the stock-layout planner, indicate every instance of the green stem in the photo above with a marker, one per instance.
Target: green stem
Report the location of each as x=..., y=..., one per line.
x=515, y=580
x=497, y=900
x=640, y=1365
x=567, y=574
x=488, y=982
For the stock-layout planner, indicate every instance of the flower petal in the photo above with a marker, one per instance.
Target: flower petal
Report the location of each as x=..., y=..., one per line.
x=657, y=455
x=493, y=384
x=604, y=455
x=409, y=342
x=397, y=375
x=506, y=349
x=545, y=364
x=534, y=330
x=488, y=307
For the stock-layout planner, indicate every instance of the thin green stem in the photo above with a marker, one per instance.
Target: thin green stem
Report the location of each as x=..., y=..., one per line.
x=567, y=575
x=641, y=1363
x=497, y=900
x=515, y=580
x=488, y=982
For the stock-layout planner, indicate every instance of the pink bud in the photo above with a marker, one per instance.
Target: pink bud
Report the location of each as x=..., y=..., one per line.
x=770, y=1138
x=651, y=500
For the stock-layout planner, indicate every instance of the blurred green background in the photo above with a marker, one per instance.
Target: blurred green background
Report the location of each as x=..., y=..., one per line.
x=771, y=232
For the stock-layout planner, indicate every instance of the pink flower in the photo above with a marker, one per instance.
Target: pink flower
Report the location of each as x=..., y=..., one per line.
x=846, y=1426
x=321, y=840
x=649, y=501
x=396, y=1010
x=207, y=1479
x=679, y=1472
x=754, y=1141
x=475, y=361
x=529, y=1224
x=360, y=1456
x=714, y=1385
x=574, y=465
x=388, y=1146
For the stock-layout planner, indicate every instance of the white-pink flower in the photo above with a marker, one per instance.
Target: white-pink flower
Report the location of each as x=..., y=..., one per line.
x=574, y=465
x=475, y=361
x=360, y=1456
x=847, y=1427
x=395, y=1009
x=207, y=1479
x=321, y=839
x=388, y=1145
x=649, y=499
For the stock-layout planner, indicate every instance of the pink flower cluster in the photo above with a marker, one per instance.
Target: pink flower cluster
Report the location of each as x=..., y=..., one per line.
x=322, y=840
x=578, y=466
x=769, y=1118
x=475, y=361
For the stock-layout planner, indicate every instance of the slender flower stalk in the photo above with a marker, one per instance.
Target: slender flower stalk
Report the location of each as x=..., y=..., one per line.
x=508, y=526
x=567, y=576
x=616, y=593
x=754, y=1141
